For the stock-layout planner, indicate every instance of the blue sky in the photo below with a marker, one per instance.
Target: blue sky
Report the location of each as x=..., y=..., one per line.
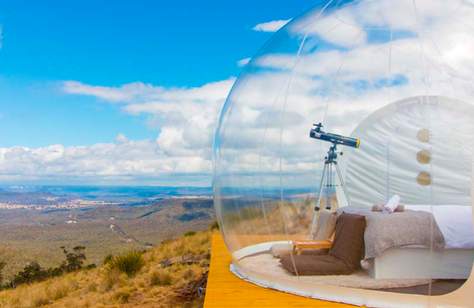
x=173, y=44
x=60, y=62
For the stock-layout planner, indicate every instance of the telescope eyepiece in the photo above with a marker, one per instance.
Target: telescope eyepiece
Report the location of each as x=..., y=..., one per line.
x=317, y=126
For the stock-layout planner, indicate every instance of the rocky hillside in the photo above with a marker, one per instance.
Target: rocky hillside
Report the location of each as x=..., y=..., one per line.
x=172, y=274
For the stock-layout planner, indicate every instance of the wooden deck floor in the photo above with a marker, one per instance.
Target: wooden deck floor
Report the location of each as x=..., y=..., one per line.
x=226, y=290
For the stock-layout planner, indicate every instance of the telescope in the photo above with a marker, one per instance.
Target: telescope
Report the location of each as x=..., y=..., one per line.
x=317, y=133
x=328, y=181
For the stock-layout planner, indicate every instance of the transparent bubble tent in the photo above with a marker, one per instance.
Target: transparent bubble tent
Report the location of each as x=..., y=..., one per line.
x=343, y=157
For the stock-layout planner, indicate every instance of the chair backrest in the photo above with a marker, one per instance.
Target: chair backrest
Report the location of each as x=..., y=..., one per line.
x=348, y=244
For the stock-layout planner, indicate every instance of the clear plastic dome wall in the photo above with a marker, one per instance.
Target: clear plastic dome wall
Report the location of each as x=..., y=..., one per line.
x=394, y=82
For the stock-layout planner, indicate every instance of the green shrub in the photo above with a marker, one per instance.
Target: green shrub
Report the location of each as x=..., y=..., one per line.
x=54, y=271
x=190, y=233
x=91, y=266
x=160, y=278
x=32, y=272
x=107, y=259
x=129, y=263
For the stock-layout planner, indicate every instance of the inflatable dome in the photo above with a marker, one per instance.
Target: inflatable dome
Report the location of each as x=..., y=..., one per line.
x=343, y=156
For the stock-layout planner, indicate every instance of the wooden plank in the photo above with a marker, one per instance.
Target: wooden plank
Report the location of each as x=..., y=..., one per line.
x=299, y=246
x=224, y=289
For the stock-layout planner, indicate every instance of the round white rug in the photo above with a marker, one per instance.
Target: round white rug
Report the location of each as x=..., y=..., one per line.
x=266, y=264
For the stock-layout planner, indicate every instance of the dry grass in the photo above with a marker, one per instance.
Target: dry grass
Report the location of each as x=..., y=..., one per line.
x=160, y=278
x=152, y=285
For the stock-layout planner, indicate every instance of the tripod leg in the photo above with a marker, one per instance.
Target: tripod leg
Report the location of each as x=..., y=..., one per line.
x=329, y=186
x=321, y=188
x=343, y=185
x=317, y=207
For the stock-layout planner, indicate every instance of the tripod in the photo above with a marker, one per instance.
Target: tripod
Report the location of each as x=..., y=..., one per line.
x=328, y=184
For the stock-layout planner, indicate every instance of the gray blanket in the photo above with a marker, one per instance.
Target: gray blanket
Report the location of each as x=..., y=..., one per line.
x=385, y=231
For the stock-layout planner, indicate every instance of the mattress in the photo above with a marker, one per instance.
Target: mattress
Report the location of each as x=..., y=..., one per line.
x=455, y=223
x=420, y=263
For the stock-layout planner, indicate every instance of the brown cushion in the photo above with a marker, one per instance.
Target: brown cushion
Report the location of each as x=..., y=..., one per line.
x=314, y=265
x=348, y=245
x=326, y=225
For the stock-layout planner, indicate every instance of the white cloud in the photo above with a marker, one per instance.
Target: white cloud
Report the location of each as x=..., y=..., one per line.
x=271, y=26
x=185, y=119
x=127, y=92
x=108, y=162
x=330, y=28
x=243, y=62
x=121, y=138
x=139, y=92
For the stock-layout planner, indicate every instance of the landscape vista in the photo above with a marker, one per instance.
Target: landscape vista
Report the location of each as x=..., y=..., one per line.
x=107, y=115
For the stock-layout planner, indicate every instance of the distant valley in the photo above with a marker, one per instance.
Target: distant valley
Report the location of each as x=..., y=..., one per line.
x=36, y=221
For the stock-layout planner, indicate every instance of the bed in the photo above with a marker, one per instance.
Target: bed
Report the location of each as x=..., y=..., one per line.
x=451, y=260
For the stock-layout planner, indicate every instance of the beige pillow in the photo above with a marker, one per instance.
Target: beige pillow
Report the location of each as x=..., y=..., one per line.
x=325, y=227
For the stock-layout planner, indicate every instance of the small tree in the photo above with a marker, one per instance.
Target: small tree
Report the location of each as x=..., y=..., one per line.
x=74, y=259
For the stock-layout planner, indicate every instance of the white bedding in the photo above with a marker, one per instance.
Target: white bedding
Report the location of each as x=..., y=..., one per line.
x=454, y=221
